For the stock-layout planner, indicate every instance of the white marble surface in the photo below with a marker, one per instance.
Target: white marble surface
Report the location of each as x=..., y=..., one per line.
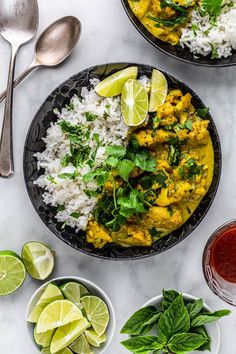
x=109, y=36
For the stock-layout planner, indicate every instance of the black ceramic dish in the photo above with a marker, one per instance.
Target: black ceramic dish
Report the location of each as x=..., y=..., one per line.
x=176, y=51
x=34, y=143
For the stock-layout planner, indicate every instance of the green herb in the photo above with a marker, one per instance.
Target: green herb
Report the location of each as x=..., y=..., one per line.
x=148, y=180
x=145, y=161
x=90, y=117
x=136, y=322
x=212, y=7
x=143, y=345
x=183, y=15
x=60, y=208
x=189, y=124
x=116, y=150
x=70, y=106
x=154, y=232
x=73, y=175
x=194, y=27
x=192, y=169
x=202, y=112
x=52, y=180
x=169, y=296
x=201, y=330
x=124, y=168
x=185, y=342
x=112, y=161
x=75, y=214
x=131, y=204
x=214, y=52
x=202, y=319
x=91, y=193
x=194, y=307
x=174, y=155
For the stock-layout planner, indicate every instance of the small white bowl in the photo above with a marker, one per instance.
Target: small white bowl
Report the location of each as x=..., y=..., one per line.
x=94, y=289
x=213, y=329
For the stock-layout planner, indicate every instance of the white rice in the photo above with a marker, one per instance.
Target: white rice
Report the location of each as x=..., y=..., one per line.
x=69, y=192
x=201, y=37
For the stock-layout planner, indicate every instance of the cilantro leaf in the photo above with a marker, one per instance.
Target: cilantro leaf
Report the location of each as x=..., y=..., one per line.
x=116, y=150
x=131, y=204
x=124, y=168
x=145, y=161
x=75, y=214
x=66, y=175
x=202, y=112
x=212, y=7
x=112, y=161
x=90, y=117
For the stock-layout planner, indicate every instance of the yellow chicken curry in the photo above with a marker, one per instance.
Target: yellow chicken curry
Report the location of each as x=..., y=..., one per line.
x=163, y=18
x=164, y=172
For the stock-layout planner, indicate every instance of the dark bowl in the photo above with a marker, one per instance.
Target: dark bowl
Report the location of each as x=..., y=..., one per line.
x=177, y=52
x=34, y=143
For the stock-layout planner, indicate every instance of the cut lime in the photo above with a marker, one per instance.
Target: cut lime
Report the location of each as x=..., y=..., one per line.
x=63, y=351
x=97, y=313
x=94, y=339
x=81, y=345
x=50, y=294
x=74, y=291
x=57, y=314
x=66, y=335
x=159, y=89
x=38, y=260
x=43, y=339
x=12, y=272
x=112, y=85
x=134, y=103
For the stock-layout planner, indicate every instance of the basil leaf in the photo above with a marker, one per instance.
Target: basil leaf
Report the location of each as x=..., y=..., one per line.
x=116, y=150
x=148, y=325
x=185, y=342
x=124, y=168
x=201, y=330
x=175, y=319
x=134, y=325
x=208, y=318
x=169, y=296
x=194, y=307
x=143, y=345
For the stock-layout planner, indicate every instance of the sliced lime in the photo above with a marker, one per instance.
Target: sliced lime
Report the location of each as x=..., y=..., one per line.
x=43, y=339
x=63, y=351
x=12, y=272
x=81, y=345
x=112, y=85
x=74, y=291
x=38, y=259
x=134, y=103
x=94, y=339
x=159, y=89
x=58, y=313
x=66, y=335
x=97, y=313
x=50, y=294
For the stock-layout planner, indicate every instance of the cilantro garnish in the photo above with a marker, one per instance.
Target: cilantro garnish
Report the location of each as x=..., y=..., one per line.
x=212, y=7
x=202, y=112
x=90, y=117
x=75, y=214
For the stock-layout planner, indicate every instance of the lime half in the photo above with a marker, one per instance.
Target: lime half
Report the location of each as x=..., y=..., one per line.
x=134, y=103
x=50, y=294
x=57, y=314
x=74, y=291
x=159, y=89
x=97, y=313
x=112, y=85
x=63, y=351
x=12, y=272
x=38, y=260
x=66, y=335
x=81, y=345
x=43, y=339
x=94, y=339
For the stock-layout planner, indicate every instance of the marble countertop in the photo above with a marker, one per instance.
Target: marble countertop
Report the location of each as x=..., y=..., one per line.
x=109, y=36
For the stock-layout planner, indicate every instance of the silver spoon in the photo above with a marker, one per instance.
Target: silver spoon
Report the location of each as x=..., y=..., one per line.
x=53, y=46
x=18, y=25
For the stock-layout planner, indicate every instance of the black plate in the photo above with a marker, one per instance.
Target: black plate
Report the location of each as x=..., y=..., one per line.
x=34, y=143
x=176, y=51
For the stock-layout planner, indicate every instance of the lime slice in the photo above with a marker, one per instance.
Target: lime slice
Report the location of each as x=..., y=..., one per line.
x=43, y=339
x=38, y=260
x=66, y=335
x=57, y=314
x=81, y=346
x=74, y=291
x=97, y=313
x=159, y=89
x=134, y=103
x=63, y=351
x=12, y=272
x=94, y=339
x=50, y=294
x=112, y=85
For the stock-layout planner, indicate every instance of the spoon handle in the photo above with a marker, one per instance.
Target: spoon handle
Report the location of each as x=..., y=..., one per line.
x=18, y=80
x=6, y=144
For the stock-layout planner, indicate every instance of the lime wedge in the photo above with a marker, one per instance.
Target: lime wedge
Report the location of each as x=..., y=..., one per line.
x=159, y=89
x=112, y=85
x=63, y=351
x=12, y=272
x=50, y=294
x=66, y=335
x=81, y=346
x=94, y=339
x=38, y=260
x=97, y=313
x=134, y=103
x=43, y=339
x=74, y=291
x=57, y=314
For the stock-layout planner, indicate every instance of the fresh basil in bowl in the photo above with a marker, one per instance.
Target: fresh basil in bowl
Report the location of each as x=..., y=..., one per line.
x=173, y=323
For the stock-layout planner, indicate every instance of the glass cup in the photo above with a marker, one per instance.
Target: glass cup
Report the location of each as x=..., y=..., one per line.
x=225, y=289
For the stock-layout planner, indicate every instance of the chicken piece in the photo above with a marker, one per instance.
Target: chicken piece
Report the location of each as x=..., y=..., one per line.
x=134, y=236
x=184, y=103
x=199, y=135
x=174, y=96
x=166, y=114
x=97, y=235
x=162, y=217
x=140, y=7
x=149, y=138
